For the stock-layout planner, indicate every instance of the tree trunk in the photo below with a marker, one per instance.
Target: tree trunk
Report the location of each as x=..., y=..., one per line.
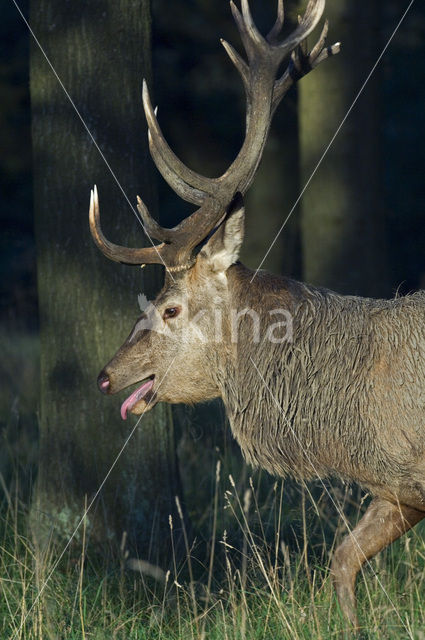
x=101, y=52
x=343, y=234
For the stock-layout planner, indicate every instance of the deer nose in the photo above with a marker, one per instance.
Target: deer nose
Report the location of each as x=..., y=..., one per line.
x=103, y=382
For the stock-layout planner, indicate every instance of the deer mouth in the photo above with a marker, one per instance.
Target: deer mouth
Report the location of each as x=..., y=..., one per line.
x=139, y=399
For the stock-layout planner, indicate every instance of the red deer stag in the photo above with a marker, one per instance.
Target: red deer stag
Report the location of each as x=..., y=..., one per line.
x=343, y=395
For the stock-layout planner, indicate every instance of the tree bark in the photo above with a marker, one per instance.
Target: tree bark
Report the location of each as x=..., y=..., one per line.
x=101, y=52
x=343, y=230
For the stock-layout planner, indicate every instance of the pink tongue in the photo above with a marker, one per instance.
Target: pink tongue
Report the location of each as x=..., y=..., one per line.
x=135, y=397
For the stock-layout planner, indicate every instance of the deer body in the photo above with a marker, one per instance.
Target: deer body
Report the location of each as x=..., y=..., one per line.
x=345, y=397
x=342, y=395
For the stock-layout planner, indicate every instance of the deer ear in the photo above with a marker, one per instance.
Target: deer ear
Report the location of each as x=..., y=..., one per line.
x=222, y=249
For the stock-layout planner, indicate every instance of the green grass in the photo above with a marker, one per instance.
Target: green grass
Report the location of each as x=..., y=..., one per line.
x=259, y=591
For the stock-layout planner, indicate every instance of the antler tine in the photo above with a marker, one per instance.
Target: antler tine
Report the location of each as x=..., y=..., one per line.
x=302, y=63
x=168, y=158
x=151, y=228
x=332, y=50
x=263, y=93
x=237, y=17
x=264, y=60
x=239, y=63
x=115, y=252
x=277, y=27
x=311, y=17
x=185, y=191
x=321, y=41
x=250, y=27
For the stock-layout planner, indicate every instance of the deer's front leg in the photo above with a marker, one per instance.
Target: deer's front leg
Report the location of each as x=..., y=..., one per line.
x=382, y=523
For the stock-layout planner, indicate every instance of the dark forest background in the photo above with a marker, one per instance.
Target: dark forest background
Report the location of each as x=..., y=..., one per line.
x=201, y=106
x=201, y=109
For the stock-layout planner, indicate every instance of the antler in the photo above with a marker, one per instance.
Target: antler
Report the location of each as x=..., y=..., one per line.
x=213, y=195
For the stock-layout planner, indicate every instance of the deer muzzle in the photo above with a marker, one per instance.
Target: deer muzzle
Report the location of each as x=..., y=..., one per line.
x=103, y=382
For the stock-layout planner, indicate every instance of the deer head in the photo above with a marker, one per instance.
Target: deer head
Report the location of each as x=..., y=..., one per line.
x=199, y=252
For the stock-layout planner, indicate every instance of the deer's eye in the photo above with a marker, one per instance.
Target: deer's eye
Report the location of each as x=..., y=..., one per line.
x=171, y=312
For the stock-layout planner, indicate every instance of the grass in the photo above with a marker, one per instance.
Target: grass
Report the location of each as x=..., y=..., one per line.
x=257, y=590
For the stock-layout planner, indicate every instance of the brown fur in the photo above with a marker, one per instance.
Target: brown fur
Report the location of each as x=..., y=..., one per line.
x=345, y=397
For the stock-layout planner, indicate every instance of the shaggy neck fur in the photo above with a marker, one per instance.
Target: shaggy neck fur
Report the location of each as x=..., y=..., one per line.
x=345, y=397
